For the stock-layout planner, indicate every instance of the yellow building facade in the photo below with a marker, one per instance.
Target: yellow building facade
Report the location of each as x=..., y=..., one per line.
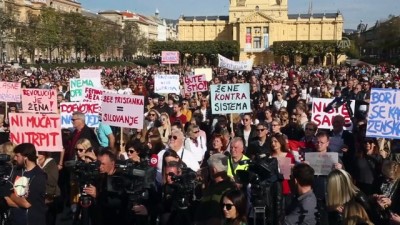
x=257, y=24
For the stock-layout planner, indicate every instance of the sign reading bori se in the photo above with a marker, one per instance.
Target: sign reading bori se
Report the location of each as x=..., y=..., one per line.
x=230, y=98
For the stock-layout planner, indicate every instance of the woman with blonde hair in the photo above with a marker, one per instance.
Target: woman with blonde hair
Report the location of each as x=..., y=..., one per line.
x=165, y=128
x=355, y=214
x=341, y=190
x=8, y=148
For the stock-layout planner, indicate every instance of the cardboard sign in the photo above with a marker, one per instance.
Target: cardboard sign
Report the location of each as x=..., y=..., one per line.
x=39, y=100
x=122, y=110
x=195, y=83
x=285, y=166
x=165, y=84
x=91, y=110
x=322, y=162
x=384, y=114
x=77, y=88
x=207, y=71
x=42, y=130
x=230, y=98
x=170, y=57
x=10, y=92
x=93, y=94
x=234, y=65
x=93, y=75
x=324, y=119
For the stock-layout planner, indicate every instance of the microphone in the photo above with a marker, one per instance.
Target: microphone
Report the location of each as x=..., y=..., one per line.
x=227, y=154
x=154, y=160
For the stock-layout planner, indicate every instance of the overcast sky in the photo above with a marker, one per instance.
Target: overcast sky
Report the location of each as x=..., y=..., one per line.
x=353, y=10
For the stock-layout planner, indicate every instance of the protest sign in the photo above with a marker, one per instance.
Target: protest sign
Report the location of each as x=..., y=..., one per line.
x=322, y=162
x=285, y=166
x=92, y=94
x=195, y=83
x=90, y=109
x=324, y=119
x=123, y=110
x=10, y=92
x=230, y=98
x=384, y=113
x=39, y=100
x=165, y=84
x=206, y=71
x=77, y=88
x=170, y=57
x=42, y=130
x=234, y=65
x=93, y=75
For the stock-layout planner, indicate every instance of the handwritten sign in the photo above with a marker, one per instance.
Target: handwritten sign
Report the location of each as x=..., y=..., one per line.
x=322, y=162
x=42, y=130
x=206, y=71
x=39, y=100
x=122, y=110
x=93, y=94
x=165, y=84
x=77, y=88
x=234, y=65
x=195, y=83
x=170, y=57
x=384, y=114
x=324, y=119
x=230, y=98
x=285, y=166
x=10, y=92
x=93, y=75
x=90, y=109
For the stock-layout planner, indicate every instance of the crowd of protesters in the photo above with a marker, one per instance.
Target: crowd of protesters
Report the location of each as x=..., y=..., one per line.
x=362, y=188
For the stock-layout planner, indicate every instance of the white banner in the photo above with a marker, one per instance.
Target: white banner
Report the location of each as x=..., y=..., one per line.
x=322, y=162
x=123, y=110
x=165, y=84
x=230, y=98
x=324, y=119
x=93, y=75
x=234, y=65
x=206, y=71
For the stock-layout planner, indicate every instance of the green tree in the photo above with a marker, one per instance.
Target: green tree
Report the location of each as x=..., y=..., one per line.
x=133, y=40
x=49, y=37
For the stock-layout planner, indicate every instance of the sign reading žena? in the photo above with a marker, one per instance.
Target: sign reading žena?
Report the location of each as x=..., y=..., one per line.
x=165, y=84
x=123, y=110
x=39, y=100
x=195, y=83
x=42, y=130
x=10, y=92
x=230, y=98
x=384, y=113
x=324, y=119
x=170, y=57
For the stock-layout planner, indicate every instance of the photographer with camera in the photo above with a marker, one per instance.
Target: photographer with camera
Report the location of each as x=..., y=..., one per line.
x=209, y=211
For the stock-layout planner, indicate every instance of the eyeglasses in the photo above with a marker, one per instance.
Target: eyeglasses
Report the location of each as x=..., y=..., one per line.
x=275, y=125
x=293, y=119
x=195, y=132
x=246, y=119
x=293, y=89
x=260, y=130
x=74, y=119
x=152, y=114
x=131, y=151
x=174, y=137
x=227, y=206
x=79, y=149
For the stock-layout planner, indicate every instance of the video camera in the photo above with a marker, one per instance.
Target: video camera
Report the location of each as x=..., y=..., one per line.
x=5, y=168
x=182, y=191
x=133, y=178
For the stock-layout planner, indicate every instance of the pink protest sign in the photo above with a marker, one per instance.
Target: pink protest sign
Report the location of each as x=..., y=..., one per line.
x=170, y=57
x=122, y=110
x=39, y=100
x=42, y=130
x=195, y=83
x=285, y=166
x=10, y=92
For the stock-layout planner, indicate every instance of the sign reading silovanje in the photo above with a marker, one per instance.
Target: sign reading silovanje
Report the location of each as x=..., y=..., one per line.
x=234, y=65
x=123, y=110
x=384, y=114
x=230, y=98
